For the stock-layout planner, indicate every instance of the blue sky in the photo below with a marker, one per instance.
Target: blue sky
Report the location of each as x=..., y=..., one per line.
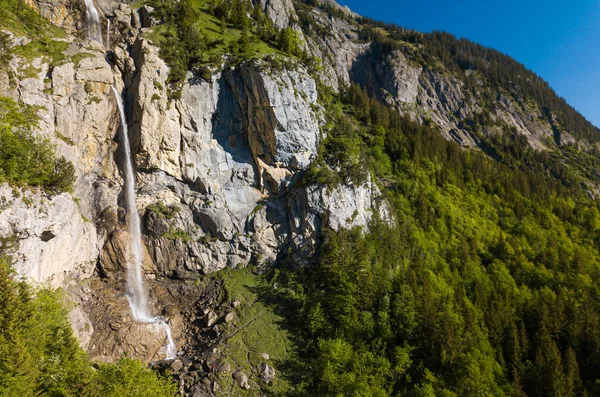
x=559, y=40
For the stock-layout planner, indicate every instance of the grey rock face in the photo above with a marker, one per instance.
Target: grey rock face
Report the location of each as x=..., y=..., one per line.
x=291, y=96
x=337, y=50
x=216, y=152
x=391, y=78
x=280, y=11
x=343, y=207
x=47, y=236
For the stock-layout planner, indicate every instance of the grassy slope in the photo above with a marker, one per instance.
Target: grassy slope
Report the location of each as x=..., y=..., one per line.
x=219, y=39
x=256, y=330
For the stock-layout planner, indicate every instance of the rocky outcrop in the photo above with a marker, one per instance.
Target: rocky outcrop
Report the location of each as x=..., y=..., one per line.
x=225, y=146
x=280, y=11
x=61, y=235
x=47, y=237
x=444, y=100
x=64, y=13
x=317, y=207
x=338, y=49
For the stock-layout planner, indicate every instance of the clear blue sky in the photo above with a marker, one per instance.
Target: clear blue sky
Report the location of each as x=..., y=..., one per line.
x=558, y=40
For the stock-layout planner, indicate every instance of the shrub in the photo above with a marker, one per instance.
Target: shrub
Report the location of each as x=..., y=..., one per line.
x=40, y=356
x=27, y=159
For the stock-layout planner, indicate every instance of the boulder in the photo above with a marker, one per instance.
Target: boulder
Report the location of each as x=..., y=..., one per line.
x=266, y=372
x=241, y=379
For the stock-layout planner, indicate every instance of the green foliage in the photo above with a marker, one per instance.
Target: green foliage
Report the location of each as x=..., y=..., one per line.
x=38, y=352
x=177, y=234
x=130, y=378
x=26, y=159
x=17, y=17
x=39, y=355
x=289, y=43
x=485, y=284
x=199, y=36
x=181, y=41
x=167, y=212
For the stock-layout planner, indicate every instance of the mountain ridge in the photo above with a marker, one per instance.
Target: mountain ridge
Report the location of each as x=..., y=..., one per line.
x=316, y=190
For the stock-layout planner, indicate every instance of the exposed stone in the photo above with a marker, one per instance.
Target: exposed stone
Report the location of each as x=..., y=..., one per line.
x=51, y=238
x=13, y=40
x=266, y=373
x=209, y=318
x=343, y=207
x=82, y=326
x=241, y=379
x=146, y=20
x=64, y=13
x=280, y=11
x=224, y=367
x=229, y=317
x=176, y=365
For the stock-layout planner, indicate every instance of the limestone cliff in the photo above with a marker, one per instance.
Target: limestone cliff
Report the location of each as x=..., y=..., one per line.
x=219, y=170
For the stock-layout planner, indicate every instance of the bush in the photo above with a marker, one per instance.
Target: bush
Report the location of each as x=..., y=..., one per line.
x=39, y=355
x=26, y=159
x=130, y=378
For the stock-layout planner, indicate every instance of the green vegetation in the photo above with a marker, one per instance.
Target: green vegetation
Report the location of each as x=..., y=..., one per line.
x=26, y=159
x=485, y=284
x=129, y=378
x=63, y=138
x=19, y=18
x=199, y=35
x=163, y=211
x=177, y=234
x=39, y=356
x=255, y=330
x=499, y=70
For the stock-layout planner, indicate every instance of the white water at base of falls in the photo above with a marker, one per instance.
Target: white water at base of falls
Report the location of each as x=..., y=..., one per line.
x=93, y=21
x=136, y=293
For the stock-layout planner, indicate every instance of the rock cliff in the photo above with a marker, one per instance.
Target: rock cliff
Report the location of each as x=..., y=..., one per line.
x=217, y=174
x=220, y=169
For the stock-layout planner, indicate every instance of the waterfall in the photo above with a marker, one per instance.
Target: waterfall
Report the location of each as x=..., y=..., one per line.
x=136, y=292
x=93, y=21
x=108, y=35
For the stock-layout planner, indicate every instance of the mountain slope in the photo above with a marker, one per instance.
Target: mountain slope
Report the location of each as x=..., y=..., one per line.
x=330, y=205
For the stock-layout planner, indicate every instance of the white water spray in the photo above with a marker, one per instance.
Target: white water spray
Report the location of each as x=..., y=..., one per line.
x=93, y=21
x=136, y=293
x=108, y=35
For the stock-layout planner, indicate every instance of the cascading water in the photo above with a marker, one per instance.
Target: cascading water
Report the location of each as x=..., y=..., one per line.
x=136, y=293
x=93, y=21
x=108, y=35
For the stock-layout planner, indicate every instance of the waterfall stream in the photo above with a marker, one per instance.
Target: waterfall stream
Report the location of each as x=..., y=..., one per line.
x=136, y=292
x=108, y=35
x=93, y=22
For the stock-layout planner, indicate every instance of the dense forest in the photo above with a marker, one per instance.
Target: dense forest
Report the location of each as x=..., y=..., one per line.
x=486, y=283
